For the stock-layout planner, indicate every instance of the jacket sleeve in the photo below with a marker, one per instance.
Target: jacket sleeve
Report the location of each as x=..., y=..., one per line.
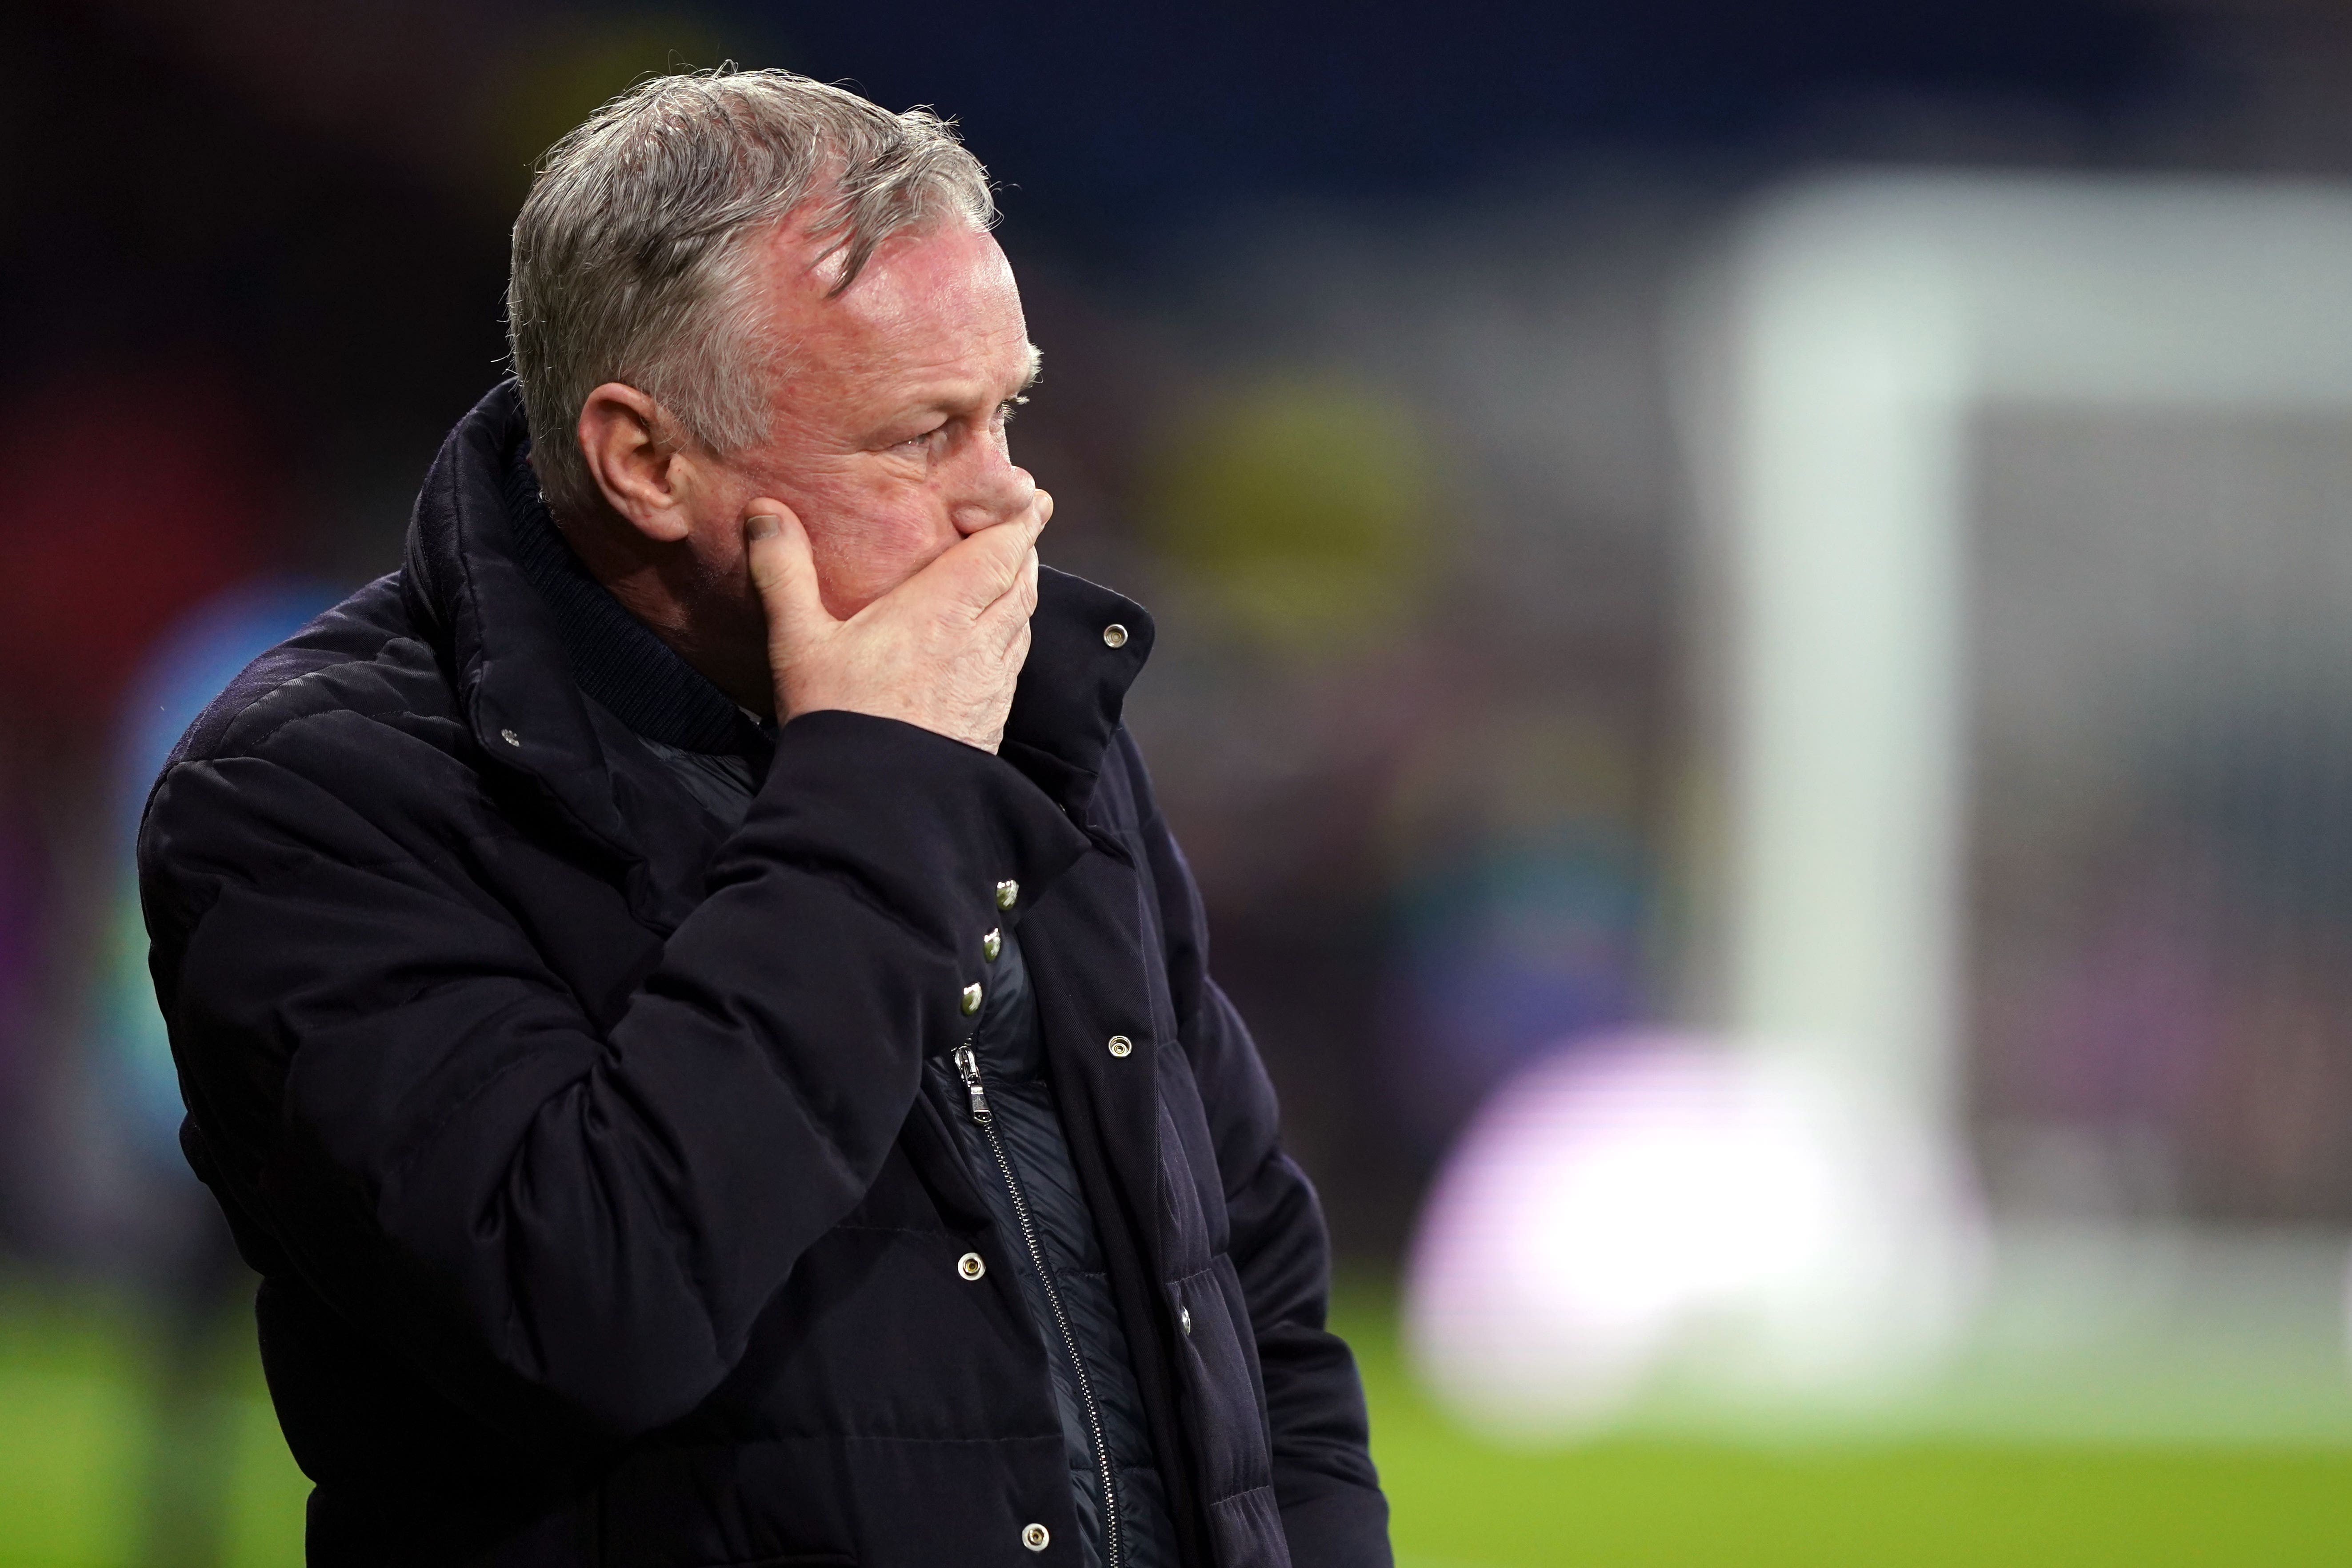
x=569, y=1231
x=1333, y=1511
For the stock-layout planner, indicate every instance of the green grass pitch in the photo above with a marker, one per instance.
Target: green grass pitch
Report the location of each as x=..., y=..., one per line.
x=74, y=1455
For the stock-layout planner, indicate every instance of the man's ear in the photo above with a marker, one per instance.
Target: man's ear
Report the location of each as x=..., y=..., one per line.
x=625, y=437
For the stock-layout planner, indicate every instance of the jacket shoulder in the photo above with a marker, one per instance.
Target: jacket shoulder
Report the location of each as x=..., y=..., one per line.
x=363, y=658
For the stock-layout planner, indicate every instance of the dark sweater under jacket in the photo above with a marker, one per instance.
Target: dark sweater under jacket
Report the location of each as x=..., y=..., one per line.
x=585, y=1147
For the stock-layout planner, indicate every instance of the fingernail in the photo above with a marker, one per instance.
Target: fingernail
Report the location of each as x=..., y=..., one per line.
x=761, y=526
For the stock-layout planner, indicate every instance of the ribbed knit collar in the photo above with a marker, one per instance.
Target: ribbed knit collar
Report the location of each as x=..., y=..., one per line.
x=616, y=658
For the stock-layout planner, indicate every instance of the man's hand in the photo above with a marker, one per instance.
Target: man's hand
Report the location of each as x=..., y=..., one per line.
x=942, y=650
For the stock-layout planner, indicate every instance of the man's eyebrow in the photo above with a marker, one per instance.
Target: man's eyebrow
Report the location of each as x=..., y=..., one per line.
x=1036, y=369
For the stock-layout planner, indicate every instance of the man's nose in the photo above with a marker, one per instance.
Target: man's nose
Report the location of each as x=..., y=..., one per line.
x=994, y=491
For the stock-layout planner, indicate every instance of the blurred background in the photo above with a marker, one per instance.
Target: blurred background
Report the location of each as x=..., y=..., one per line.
x=1755, y=664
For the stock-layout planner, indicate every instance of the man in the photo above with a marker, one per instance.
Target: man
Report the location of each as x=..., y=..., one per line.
x=682, y=990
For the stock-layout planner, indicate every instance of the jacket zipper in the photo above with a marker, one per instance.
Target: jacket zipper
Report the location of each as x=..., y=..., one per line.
x=968, y=1064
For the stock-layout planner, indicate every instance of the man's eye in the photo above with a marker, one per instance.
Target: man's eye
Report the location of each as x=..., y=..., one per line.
x=924, y=439
x=1005, y=410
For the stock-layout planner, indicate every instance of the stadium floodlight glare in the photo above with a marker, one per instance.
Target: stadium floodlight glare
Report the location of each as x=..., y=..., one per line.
x=1627, y=1207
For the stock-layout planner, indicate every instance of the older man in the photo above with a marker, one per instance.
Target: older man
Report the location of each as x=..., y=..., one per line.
x=682, y=990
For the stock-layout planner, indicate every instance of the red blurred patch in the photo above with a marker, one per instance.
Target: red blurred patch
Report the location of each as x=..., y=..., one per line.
x=123, y=500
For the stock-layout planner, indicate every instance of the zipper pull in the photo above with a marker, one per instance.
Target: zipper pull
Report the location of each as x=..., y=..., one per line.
x=969, y=1066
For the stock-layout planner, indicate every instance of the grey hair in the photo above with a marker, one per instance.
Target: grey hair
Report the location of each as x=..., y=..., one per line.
x=632, y=250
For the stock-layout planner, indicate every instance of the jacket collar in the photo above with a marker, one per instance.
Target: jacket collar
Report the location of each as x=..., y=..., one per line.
x=616, y=660
x=1087, y=646
x=499, y=638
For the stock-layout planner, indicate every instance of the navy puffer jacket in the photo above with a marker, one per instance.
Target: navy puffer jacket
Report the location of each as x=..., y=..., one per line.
x=583, y=1146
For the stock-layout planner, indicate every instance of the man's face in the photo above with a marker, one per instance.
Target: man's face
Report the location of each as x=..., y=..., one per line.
x=889, y=404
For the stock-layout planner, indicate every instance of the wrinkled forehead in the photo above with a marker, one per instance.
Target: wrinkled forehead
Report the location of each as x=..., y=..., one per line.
x=936, y=297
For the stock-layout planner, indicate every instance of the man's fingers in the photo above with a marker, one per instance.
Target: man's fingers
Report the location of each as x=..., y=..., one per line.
x=1024, y=588
x=982, y=568
x=1007, y=617
x=1011, y=545
x=1017, y=599
x=776, y=548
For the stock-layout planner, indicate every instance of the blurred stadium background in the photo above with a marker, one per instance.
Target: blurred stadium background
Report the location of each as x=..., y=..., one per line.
x=1754, y=664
